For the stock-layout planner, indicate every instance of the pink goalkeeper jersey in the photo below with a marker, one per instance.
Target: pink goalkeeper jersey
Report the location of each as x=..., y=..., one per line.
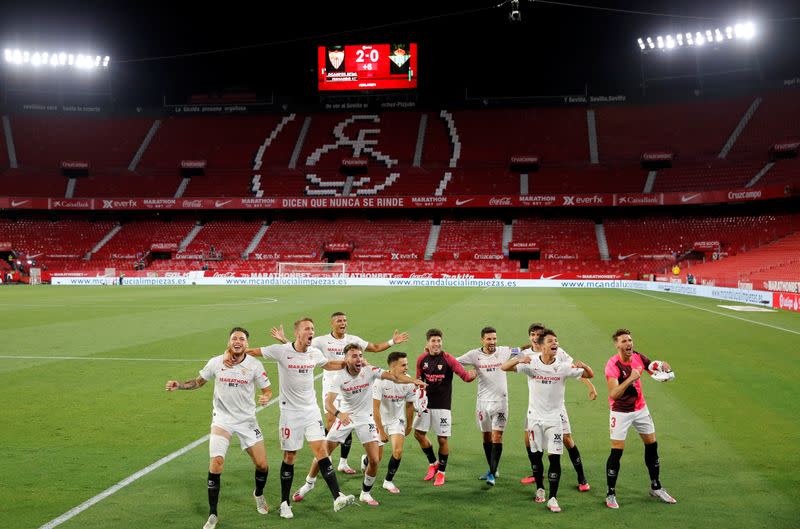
x=633, y=398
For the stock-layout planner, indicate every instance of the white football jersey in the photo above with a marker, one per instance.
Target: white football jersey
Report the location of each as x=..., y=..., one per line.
x=492, y=381
x=546, y=387
x=393, y=398
x=296, y=370
x=235, y=388
x=356, y=391
x=333, y=349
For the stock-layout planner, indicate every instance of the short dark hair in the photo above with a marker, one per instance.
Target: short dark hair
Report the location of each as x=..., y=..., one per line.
x=394, y=356
x=619, y=333
x=487, y=330
x=301, y=320
x=545, y=333
x=431, y=333
x=335, y=314
x=240, y=329
x=535, y=327
x=349, y=347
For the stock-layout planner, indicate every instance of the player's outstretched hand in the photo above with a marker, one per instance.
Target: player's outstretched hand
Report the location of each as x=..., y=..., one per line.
x=419, y=383
x=399, y=337
x=264, y=399
x=172, y=385
x=592, y=393
x=278, y=334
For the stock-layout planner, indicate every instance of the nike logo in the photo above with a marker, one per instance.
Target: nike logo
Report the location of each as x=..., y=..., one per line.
x=220, y=203
x=549, y=277
x=460, y=202
x=15, y=204
x=35, y=256
x=690, y=197
x=623, y=257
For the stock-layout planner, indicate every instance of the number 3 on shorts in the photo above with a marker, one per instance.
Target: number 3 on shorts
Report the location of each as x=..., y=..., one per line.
x=613, y=422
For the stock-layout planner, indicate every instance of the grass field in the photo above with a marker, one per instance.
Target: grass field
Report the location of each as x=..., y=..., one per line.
x=82, y=376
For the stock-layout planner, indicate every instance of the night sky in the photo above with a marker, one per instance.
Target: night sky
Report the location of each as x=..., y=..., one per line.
x=464, y=45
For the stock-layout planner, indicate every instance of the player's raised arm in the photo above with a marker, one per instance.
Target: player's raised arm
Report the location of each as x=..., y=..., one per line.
x=173, y=385
x=397, y=337
x=402, y=379
x=587, y=371
x=333, y=365
x=278, y=334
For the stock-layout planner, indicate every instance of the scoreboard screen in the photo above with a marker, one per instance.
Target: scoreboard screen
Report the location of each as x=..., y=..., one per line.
x=367, y=67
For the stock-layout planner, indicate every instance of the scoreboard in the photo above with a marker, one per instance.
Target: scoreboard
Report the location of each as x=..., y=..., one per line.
x=367, y=67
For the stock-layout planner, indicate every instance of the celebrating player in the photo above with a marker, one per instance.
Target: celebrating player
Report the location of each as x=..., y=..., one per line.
x=628, y=408
x=546, y=381
x=436, y=368
x=332, y=346
x=234, y=413
x=354, y=414
x=393, y=408
x=534, y=331
x=491, y=408
x=300, y=416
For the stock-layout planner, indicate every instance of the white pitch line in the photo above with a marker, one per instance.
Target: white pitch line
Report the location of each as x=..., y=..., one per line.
x=133, y=477
x=715, y=312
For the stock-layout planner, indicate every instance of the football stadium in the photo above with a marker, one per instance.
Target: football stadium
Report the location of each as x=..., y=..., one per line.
x=385, y=240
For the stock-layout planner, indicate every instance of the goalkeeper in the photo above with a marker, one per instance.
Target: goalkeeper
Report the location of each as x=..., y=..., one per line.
x=628, y=408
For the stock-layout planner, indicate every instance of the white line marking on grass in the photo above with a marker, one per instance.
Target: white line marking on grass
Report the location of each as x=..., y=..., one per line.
x=105, y=359
x=714, y=312
x=133, y=477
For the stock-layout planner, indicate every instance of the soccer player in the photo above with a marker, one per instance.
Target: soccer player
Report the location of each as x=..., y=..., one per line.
x=628, y=408
x=300, y=416
x=234, y=413
x=332, y=346
x=491, y=407
x=393, y=408
x=354, y=414
x=534, y=331
x=546, y=382
x=436, y=367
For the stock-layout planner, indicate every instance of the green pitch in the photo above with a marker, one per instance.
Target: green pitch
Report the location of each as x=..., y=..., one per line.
x=76, y=425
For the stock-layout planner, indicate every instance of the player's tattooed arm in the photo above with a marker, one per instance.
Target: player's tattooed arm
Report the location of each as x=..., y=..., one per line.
x=194, y=383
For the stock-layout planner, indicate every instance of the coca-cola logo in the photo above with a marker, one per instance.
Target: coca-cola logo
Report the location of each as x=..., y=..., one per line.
x=789, y=302
x=521, y=159
x=68, y=164
x=224, y=274
x=786, y=146
x=192, y=204
x=193, y=164
x=355, y=162
x=425, y=275
x=500, y=201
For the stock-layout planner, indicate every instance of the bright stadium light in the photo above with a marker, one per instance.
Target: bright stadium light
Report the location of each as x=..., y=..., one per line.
x=739, y=31
x=56, y=59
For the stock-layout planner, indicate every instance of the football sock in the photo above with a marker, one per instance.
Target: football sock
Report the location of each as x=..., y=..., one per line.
x=213, y=492
x=497, y=451
x=653, y=464
x=531, y=458
x=538, y=469
x=487, y=450
x=554, y=474
x=261, y=480
x=326, y=468
x=612, y=469
x=429, y=453
x=442, y=462
x=287, y=476
x=575, y=457
x=368, y=482
x=348, y=442
x=394, y=464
